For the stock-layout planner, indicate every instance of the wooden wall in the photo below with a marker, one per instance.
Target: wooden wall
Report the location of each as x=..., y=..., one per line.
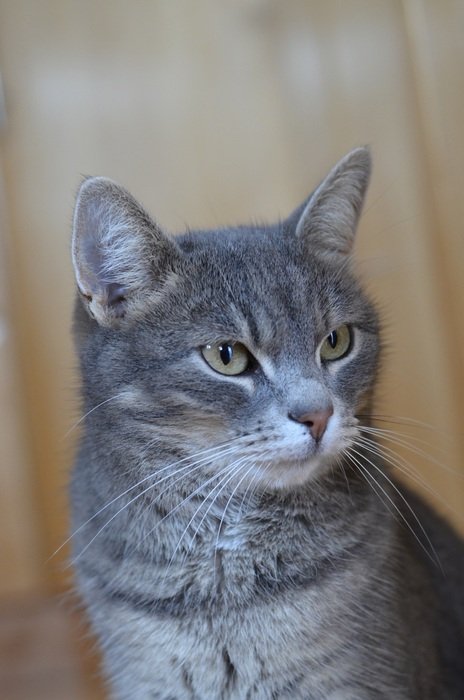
x=215, y=112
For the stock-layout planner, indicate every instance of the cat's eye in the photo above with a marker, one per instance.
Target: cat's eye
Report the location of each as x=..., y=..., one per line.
x=337, y=344
x=227, y=357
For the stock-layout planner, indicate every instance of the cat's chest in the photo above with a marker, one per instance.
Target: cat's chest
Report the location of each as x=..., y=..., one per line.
x=241, y=566
x=255, y=627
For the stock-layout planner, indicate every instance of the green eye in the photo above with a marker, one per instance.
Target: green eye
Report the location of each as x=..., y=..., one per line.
x=337, y=344
x=227, y=357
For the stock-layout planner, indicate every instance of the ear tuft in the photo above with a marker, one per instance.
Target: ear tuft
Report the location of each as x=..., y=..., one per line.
x=119, y=253
x=329, y=219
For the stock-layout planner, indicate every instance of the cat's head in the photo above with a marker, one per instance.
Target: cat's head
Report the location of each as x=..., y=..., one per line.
x=249, y=350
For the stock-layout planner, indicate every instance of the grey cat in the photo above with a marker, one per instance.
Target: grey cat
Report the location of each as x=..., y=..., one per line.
x=237, y=535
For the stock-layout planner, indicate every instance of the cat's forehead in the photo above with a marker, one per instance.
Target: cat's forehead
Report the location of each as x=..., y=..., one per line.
x=245, y=257
x=258, y=279
x=232, y=243
x=244, y=264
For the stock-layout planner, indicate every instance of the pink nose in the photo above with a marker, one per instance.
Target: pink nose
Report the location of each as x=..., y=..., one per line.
x=315, y=420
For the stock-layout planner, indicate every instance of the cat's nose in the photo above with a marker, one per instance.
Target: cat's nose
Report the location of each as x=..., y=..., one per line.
x=315, y=420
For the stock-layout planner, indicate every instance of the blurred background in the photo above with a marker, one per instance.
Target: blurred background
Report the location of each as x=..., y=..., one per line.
x=214, y=112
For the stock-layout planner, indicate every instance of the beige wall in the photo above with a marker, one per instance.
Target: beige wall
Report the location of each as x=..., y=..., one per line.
x=19, y=544
x=215, y=112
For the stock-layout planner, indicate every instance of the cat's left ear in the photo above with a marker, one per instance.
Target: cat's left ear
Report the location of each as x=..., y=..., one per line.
x=328, y=221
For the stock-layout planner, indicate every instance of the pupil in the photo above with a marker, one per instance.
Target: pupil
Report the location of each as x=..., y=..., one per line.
x=333, y=339
x=225, y=353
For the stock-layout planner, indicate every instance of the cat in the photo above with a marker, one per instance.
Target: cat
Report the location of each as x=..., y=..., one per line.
x=236, y=533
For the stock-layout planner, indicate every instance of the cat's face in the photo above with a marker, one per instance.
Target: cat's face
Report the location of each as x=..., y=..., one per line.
x=250, y=350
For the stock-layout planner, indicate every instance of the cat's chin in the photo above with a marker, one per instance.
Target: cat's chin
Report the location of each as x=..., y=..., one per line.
x=291, y=473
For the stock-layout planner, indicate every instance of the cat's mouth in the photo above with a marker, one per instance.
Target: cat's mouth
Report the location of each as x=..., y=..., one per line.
x=290, y=472
x=292, y=462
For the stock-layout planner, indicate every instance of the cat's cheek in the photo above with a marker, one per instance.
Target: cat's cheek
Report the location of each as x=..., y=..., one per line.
x=332, y=441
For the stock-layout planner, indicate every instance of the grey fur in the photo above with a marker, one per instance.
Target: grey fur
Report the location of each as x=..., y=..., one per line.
x=297, y=573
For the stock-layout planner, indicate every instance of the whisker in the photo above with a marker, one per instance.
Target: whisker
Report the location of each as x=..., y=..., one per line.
x=362, y=470
x=82, y=418
x=230, y=473
x=196, y=466
x=187, y=499
x=225, y=474
x=253, y=481
x=340, y=466
x=237, y=486
x=389, y=435
x=398, y=462
x=394, y=459
x=405, y=501
x=402, y=436
x=139, y=483
x=406, y=421
x=236, y=467
x=400, y=420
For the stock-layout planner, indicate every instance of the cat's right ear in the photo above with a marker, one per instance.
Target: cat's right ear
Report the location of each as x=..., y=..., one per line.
x=120, y=255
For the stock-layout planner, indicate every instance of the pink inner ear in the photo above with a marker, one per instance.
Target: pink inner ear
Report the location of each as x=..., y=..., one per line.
x=94, y=281
x=116, y=294
x=88, y=263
